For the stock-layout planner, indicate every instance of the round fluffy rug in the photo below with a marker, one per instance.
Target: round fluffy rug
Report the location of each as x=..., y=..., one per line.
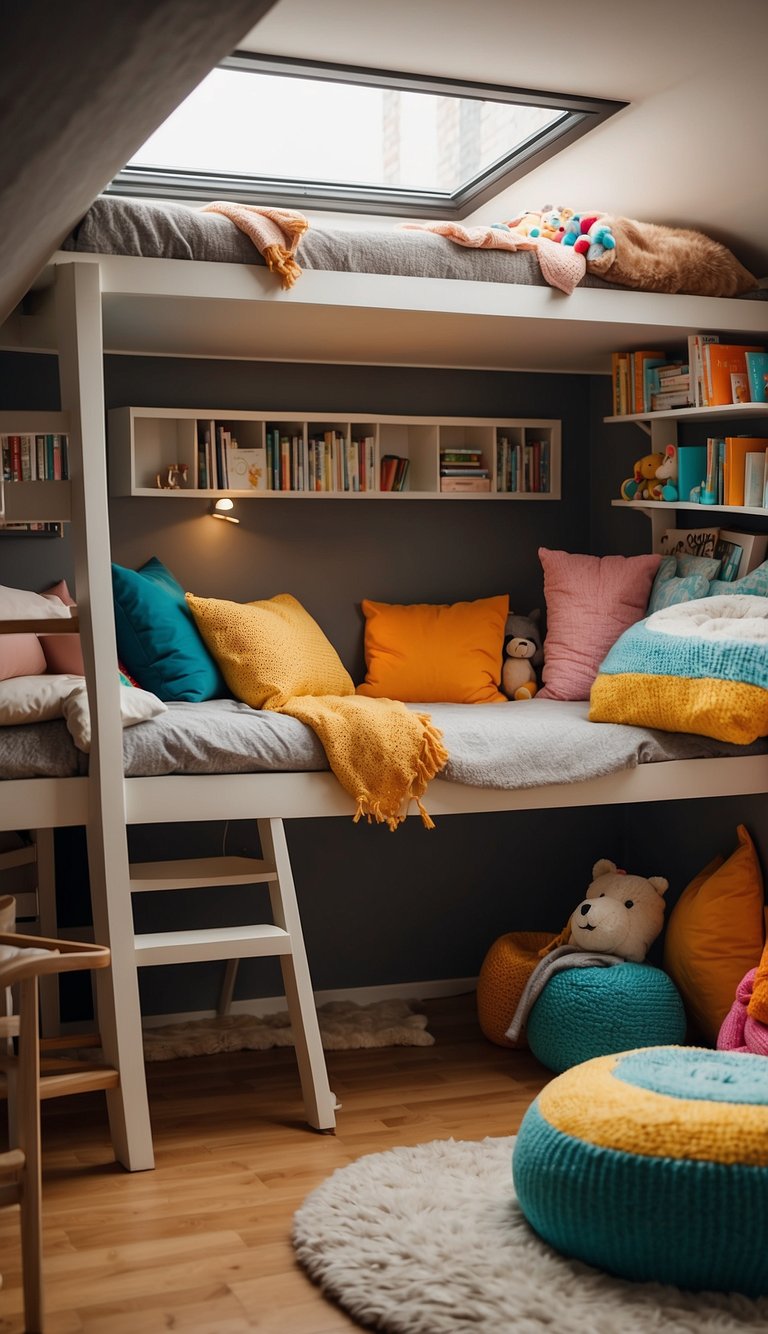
x=431, y=1240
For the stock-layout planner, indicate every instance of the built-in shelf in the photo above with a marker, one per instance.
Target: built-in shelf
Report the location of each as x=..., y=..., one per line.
x=652, y=506
x=730, y=410
x=145, y=444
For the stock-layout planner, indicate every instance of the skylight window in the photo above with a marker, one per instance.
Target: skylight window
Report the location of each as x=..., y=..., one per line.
x=265, y=130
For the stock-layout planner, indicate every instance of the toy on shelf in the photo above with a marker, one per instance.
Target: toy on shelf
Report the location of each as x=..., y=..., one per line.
x=639, y=485
x=665, y=486
x=523, y=653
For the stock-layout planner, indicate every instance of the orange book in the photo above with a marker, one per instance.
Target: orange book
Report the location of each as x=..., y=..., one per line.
x=722, y=360
x=638, y=378
x=736, y=449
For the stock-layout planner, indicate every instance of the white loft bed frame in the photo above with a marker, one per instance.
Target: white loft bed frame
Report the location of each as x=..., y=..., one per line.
x=86, y=305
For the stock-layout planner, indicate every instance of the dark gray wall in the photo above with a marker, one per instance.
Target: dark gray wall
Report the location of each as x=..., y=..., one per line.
x=414, y=905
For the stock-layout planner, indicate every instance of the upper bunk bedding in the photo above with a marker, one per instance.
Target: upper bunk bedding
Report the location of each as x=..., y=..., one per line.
x=528, y=744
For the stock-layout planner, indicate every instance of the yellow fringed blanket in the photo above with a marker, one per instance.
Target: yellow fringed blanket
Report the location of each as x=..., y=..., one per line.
x=273, y=655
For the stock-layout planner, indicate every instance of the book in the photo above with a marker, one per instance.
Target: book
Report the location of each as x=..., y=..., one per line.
x=739, y=387
x=752, y=548
x=651, y=380
x=754, y=479
x=696, y=344
x=721, y=360
x=736, y=449
x=470, y=485
x=757, y=376
x=247, y=468
x=730, y=555
x=691, y=469
x=638, y=360
x=689, y=541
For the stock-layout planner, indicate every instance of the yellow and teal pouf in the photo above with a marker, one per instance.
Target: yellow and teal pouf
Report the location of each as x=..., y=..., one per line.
x=653, y=1165
x=586, y=1012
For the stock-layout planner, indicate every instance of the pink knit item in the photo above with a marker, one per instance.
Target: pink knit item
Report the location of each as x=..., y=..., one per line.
x=559, y=265
x=739, y=1031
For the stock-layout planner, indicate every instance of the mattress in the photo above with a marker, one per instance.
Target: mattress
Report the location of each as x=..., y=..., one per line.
x=532, y=743
x=116, y=226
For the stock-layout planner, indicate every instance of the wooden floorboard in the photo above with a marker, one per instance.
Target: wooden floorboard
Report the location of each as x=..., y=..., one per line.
x=202, y=1243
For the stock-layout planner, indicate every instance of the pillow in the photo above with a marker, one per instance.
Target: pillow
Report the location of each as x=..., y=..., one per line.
x=63, y=653
x=708, y=566
x=670, y=585
x=21, y=655
x=34, y=699
x=590, y=601
x=156, y=635
x=136, y=706
x=697, y=667
x=753, y=584
x=270, y=651
x=715, y=934
x=426, y=653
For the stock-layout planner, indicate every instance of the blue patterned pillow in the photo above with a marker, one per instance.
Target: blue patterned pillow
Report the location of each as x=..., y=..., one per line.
x=755, y=583
x=706, y=565
x=669, y=588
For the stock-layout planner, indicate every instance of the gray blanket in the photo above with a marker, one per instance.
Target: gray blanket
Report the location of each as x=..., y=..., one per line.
x=565, y=956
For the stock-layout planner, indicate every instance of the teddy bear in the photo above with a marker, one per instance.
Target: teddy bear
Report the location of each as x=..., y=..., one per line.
x=638, y=486
x=553, y=223
x=665, y=486
x=621, y=914
x=523, y=653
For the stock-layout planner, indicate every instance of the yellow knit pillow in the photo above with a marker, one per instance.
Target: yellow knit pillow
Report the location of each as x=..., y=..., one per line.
x=426, y=653
x=715, y=934
x=270, y=651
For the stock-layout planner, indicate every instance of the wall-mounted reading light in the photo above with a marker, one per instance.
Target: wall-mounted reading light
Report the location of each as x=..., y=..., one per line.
x=220, y=508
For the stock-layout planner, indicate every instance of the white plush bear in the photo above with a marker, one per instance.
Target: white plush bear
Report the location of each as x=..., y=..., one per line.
x=621, y=914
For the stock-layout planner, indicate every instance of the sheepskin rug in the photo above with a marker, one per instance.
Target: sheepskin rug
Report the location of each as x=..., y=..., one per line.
x=344, y=1026
x=431, y=1240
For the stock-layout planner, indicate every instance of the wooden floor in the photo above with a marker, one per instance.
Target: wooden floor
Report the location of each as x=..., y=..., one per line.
x=202, y=1243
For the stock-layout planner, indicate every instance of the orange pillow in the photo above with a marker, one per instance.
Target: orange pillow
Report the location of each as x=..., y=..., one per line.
x=715, y=934
x=430, y=654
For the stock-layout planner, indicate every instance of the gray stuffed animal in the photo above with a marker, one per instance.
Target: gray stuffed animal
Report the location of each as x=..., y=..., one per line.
x=523, y=653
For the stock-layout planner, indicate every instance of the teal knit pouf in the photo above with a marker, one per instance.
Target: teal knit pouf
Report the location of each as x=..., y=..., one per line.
x=586, y=1012
x=653, y=1165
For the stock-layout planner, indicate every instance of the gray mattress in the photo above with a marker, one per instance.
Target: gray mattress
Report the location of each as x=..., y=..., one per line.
x=509, y=746
x=115, y=226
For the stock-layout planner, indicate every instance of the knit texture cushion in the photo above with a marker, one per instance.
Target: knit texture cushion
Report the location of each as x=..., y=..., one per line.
x=715, y=934
x=586, y=1012
x=590, y=601
x=697, y=667
x=156, y=636
x=435, y=653
x=503, y=975
x=653, y=1165
x=271, y=651
x=671, y=585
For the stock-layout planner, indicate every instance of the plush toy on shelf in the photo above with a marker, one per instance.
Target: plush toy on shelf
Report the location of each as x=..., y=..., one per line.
x=665, y=486
x=523, y=653
x=621, y=914
x=638, y=486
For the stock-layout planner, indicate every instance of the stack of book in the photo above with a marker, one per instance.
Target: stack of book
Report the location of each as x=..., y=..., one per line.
x=394, y=472
x=649, y=380
x=34, y=458
x=463, y=469
x=725, y=373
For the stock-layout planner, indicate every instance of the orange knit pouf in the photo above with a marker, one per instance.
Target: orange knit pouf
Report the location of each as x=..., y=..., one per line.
x=505, y=971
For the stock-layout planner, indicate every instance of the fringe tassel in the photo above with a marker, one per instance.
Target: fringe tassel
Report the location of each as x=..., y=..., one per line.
x=281, y=262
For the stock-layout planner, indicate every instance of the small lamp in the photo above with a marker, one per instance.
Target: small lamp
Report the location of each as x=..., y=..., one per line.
x=220, y=508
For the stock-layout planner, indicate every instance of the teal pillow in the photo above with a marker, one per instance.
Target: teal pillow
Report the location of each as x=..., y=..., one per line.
x=669, y=588
x=157, y=639
x=755, y=583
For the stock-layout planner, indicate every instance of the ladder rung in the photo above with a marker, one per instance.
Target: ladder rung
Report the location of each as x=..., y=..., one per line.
x=78, y=1081
x=227, y=942
x=199, y=873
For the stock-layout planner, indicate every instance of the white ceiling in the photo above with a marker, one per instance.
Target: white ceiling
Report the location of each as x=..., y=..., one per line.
x=689, y=150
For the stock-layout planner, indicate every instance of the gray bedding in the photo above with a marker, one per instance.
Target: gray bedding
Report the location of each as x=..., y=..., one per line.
x=116, y=226
x=526, y=744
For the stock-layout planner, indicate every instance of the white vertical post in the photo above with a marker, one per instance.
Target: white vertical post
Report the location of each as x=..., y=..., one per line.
x=78, y=311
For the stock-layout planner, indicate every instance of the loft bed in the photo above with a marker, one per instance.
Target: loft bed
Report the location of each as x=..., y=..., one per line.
x=86, y=304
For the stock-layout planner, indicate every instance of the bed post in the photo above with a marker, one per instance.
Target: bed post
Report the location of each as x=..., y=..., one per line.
x=79, y=330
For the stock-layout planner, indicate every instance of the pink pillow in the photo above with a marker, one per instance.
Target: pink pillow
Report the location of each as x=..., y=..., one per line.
x=591, y=600
x=20, y=655
x=63, y=653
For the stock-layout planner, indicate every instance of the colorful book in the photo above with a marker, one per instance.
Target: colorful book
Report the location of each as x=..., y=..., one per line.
x=736, y=449
x=721, y=360
x=247, y=468
x=637, y=363
x=757, y=376
x=696, y=344
x=691, y=469
x=753, y=548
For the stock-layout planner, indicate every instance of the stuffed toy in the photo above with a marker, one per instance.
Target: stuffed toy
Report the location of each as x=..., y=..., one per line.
x=523, y=223
x=665, y=485
x=523, y=653
x=553, y=223
x=618, y=920
x=621, y=914
x=638, y=486
x=578, y=231
x=601, y=239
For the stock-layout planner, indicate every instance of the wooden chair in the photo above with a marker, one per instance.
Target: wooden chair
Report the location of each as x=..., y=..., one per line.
x=21, y=966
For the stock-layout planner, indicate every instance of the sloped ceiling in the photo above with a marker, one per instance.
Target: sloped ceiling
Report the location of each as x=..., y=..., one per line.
x=83, y=86
x=690, y=150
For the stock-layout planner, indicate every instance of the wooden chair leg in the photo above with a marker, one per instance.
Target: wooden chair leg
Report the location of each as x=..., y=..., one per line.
x=28, y=1134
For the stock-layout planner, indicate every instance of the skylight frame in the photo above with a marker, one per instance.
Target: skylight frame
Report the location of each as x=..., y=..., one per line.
x=579, y=116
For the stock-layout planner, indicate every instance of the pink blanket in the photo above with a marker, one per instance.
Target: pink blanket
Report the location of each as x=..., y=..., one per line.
x=560, y=265
x=275, y=232
x=740, y=1030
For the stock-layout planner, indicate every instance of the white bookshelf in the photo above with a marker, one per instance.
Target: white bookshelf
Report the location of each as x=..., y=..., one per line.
x=144, y=442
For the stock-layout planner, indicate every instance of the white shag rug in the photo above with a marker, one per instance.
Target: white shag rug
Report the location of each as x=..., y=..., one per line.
x=344, y=1026
x=431, y=1240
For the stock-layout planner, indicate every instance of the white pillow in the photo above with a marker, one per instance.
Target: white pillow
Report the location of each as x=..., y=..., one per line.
x=16, y=604
x=34, y=699
x=136, y=706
